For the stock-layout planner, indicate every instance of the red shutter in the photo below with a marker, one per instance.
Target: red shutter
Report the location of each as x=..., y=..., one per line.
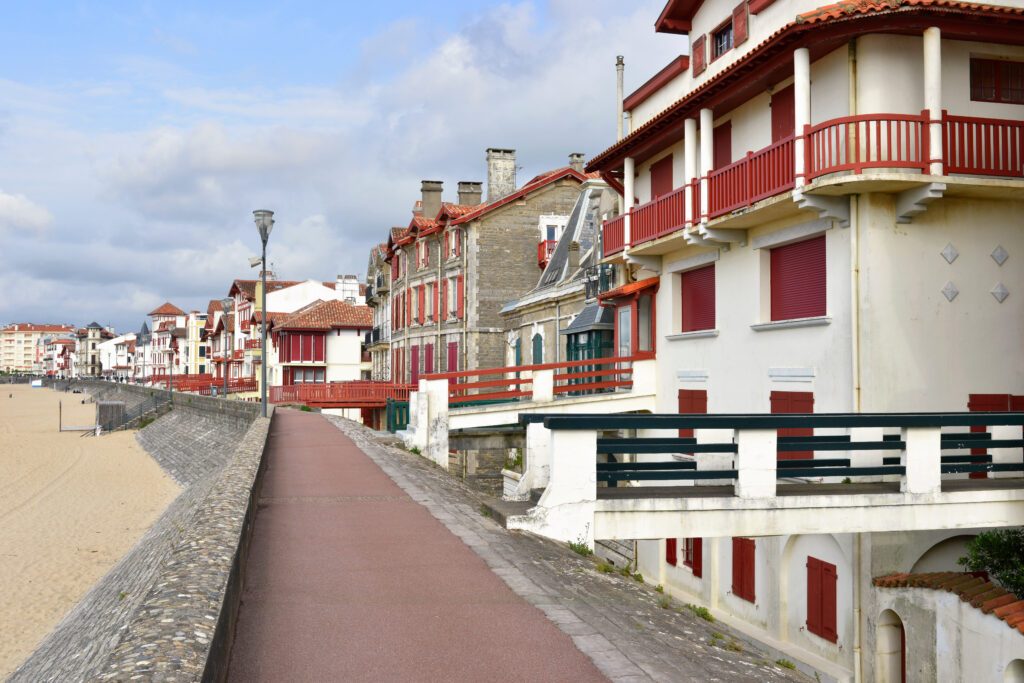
x=739, y=24
x=421, y=299
x=1016, y=404
x=698, y=557
x=394, y=268
x=737, y=567
x=661, y=177
x=699, y=55
x=444, y=299
x=671, y=551
x=692, y=402
x=784, y=402
x=798, y=280
x=461, y=298
x=318, y=350
x=408, y=306
x=783, y=107
x=428, y=359
x=698, y=299
x=453, y=357
x=435, y=311
x=458, y=243
x=721, y=144
x=296, y=350
x=829, y=580
x=985, y=403
x=414, y=363
x=814, y=595
x=743, y=568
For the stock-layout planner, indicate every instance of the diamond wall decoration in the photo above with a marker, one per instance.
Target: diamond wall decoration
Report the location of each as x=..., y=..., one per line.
x=950, y=291
x=949, y=253
x=999, y=255
x=1000, y=292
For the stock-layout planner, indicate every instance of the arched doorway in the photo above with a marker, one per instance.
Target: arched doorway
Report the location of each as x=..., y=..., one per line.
x=1014, y=672
x=890, y=649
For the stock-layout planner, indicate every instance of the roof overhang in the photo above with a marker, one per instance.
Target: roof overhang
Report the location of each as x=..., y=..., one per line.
x=677, y=17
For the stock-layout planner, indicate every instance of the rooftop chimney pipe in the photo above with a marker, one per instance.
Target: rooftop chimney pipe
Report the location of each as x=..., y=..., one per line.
x=470, y=193
x=431, y=192
x=501, y=173
x=620, y=65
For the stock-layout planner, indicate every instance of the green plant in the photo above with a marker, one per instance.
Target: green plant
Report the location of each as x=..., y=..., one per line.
x=514, y=461
x=664, y=602
x=999, y=552
x=484, y=510
x=580, y=547
x=847, y=480
x=626, y=571
x=733, y=646
x=145, y=422
x=605, y=568
x=785, y=663
x=659, y=588
x=306, y=409
x=638, y=577
x=701, y=612
x=415, y=450
x=122, y=595
x=716, y=638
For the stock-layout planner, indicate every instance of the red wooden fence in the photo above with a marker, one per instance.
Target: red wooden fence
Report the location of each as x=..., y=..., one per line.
x=354, y=394
x=983, y=146
x=614, y=235
x=855, y=143
x=660, y=217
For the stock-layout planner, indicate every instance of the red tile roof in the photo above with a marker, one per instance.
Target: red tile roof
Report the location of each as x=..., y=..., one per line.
x=38, y=327
x=167, y=309
x=164, y=326
x=979, y=592
x=841, y=10
x=275, y=317
x=328, y=315
x=534, y=184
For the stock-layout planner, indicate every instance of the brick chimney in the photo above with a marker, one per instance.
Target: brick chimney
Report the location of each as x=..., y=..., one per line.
x=576, y=161
x=431, y=192
x=574, y=257
x=470, y=193
x=501, y=173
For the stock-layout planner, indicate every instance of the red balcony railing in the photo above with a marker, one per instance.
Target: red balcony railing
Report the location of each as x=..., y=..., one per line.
x=695, y=198
x=983, y=146
x=856, y=143
x=614, y=235
x=545, y=248
x=237, y=354
x=252, y=343
x=759, y=175
x=357, y=393
x=660, y=217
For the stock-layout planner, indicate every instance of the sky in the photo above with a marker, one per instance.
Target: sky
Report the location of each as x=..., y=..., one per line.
x=137, y=138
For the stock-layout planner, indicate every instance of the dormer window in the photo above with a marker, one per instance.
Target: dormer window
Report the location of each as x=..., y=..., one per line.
x=721, y=40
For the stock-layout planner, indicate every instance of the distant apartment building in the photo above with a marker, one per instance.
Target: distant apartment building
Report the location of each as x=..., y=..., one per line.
x=21, y=347
x=378, y=287
x=87, y=350
x=456, y=264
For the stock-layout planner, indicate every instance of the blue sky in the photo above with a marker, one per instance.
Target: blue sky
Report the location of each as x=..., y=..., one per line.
x=136, y=138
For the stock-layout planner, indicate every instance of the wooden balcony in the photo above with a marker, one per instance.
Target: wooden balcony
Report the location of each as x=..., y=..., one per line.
x=850, y=145
x=545, y=248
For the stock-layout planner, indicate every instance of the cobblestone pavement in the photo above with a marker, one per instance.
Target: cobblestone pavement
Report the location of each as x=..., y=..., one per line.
x=618, y=622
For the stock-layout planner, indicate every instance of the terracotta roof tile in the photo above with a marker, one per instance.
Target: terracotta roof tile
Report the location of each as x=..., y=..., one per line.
x=975, y=590
x=327, y=315
x=167, y=309
x=848, y=8
x=535, y=183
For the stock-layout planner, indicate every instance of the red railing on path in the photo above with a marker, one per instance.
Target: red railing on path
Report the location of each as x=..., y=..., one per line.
x=614, y=235
x=660, y=217
x=352, y=394
x=983, y=146
x=514, y=382
x=855, y=143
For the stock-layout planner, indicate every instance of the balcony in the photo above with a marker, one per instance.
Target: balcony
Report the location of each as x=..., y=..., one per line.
x=545, y=248
x=849, y=145
x=252, y=343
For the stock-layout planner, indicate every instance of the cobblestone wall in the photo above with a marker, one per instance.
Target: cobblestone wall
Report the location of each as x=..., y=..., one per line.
x=164, y=610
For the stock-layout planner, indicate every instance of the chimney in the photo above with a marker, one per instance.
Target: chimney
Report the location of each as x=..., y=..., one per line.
x=574, y=258
x=431, y=191
x=501, y=173
x=620, y=65
x=470, y=193
x=576, y=161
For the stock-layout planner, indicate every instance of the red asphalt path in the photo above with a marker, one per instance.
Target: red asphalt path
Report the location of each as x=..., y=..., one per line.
x=349, y=579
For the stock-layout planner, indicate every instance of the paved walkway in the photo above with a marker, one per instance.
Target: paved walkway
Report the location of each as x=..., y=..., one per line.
x=349, y=578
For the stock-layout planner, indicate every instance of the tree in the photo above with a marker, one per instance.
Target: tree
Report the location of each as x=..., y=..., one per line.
x=1001, y=554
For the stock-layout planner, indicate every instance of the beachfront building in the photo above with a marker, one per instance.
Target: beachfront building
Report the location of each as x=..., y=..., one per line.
x=87, y=350
x=378, y=298
x=47, y=350
x=456, y=264
x=167, y=325
x=560, y=318
x=117, y=357
x=823, y=215
x=62, y=353
x=21, y=347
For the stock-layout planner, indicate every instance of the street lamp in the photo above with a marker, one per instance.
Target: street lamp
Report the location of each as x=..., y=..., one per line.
x=265, y=224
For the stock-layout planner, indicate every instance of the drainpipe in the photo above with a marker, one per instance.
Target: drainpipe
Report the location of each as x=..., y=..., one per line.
x=620, y=65
x=858, y=668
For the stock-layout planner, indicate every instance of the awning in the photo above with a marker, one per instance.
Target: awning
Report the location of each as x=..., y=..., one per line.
x=628, y=291
x=592, y=317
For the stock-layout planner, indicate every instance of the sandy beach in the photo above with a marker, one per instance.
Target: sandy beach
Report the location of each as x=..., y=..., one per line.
x=70, y=508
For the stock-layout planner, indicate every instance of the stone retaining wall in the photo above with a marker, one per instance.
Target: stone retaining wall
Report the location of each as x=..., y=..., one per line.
x=166, y=610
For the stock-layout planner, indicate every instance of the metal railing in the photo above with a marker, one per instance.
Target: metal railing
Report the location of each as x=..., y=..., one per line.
x=355, y=393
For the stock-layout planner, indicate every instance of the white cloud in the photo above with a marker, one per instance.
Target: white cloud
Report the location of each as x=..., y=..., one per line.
x=18, y=212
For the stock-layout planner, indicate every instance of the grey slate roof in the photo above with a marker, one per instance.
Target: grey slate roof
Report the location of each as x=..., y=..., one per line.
x=592, y=317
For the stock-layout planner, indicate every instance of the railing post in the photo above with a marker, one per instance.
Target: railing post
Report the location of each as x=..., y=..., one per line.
x=802, y=112
x=572, y=489
x=932, y=137
x=923, y=460
x=537, y=456
x=437, y=426
x=543, y=385
x=756, y=463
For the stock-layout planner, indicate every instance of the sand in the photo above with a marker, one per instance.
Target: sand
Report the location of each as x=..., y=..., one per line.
x=70, y=508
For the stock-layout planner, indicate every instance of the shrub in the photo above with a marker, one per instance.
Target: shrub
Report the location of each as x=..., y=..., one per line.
x=605, y=568
x=638, y=577
x=306, y=409
x=999, y=552
x=664, y=602
x=701, y=612
x=785, y=663
x=580, y=547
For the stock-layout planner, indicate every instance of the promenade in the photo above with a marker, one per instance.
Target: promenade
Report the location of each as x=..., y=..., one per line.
x=368, y=563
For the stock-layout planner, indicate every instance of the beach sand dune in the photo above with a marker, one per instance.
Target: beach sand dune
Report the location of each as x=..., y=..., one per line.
x=70, y=507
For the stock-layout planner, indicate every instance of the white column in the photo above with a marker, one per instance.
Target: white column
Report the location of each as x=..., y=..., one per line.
x=755, y=463
x=629, y=198
x=707, y=156
x=923, y=460
x=437, y=421
x=536, y=457
x=933, y=96
x=689, y=165
x=802, y=107
x=543, y=385
x=571, y=494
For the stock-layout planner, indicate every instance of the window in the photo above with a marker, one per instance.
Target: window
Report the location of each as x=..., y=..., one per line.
x=661, y=177
x=202, y=352
x=798, y=280
x=624, y=330
x=538, y=349
x=821, y=599
x=671, y=551
x=698, y=299
x=995, y=80
x=743, y=568
x=453, y=357
x=693, y=555
x=721, y=40
x=551, y=232
x=800, y=402
x=721, y=145
x=783, y=105
x=202, y=369
x=645, y=323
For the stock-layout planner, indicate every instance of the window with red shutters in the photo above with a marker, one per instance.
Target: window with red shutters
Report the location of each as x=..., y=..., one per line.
x=693, y=555
x=444, y=299
x=743, y=568
x=461, y=309
x=739, y=24
x=453, y=357
x=798, y=280
x=414, y=363
x=458, y=242
x=319, y=342
x=661, y=177
x=296, y=348
x=394, y=268
x=997, y=80
x=428, y=359
x=821, y=599
x=435, y=288
x=783, y=107
x=721, y=145
x=698, y=299
x=671, y=551
x=784, y=402
x=698, y=52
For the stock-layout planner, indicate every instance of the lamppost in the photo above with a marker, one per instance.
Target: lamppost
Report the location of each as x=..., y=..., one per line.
x=264, y=223
x=225, y=303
